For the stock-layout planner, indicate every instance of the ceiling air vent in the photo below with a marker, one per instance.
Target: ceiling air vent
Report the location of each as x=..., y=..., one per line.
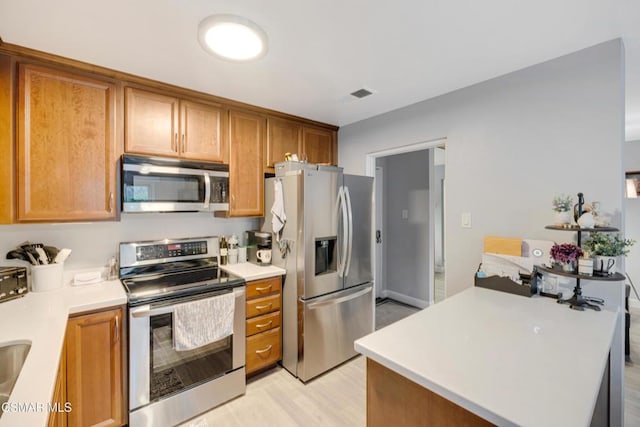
x=361, y=93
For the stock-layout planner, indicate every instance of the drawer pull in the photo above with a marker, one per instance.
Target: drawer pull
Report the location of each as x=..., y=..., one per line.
x=269, y=347
x=264, y=325
x=266, y=288
x=262, y=307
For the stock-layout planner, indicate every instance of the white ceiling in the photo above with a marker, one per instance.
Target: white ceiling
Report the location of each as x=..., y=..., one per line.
x=320, y=51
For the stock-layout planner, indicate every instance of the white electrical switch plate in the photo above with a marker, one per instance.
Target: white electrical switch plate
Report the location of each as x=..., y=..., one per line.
x=405, y=214
x=466, y=220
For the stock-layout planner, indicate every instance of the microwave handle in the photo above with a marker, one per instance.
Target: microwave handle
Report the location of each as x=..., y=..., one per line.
x=207, y=190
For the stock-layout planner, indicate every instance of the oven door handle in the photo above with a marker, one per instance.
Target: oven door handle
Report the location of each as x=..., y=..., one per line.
x=147, y=311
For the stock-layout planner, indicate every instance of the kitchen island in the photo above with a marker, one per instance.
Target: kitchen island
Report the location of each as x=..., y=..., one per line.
x=483, y=357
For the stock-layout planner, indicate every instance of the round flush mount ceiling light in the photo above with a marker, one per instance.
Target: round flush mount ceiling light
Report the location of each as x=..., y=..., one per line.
x=232, y=37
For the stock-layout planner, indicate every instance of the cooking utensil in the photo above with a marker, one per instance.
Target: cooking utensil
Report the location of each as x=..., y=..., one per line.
x=62, y=256
x=17, y=254
x=42, y=255
x=51, y=251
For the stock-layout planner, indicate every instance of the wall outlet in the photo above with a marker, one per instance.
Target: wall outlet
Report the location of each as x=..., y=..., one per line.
x=405, y=214
x=466, y=220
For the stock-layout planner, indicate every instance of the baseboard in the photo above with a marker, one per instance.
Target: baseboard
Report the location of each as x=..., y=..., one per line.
x=415, y=302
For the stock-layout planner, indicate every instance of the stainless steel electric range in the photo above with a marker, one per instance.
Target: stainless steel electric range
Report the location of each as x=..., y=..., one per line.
x=167, y=386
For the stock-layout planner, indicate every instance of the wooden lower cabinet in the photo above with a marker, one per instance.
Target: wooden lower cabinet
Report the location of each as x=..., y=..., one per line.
x=393, y=399
x=58, y=417
x=264, y=335
x=95, y=369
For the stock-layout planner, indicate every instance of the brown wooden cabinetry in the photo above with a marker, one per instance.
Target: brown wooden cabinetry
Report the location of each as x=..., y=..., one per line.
x=246, y=167
x=66, y=142
x=58, y=418
x=165, y=125
x=264, y=335
x=283, y=136
x=7, y=157
x=94, y=358
x=319, y=145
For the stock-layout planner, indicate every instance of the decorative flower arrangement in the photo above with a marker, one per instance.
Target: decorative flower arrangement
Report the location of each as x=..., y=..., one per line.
x=606, y=244
x=562, y=203
x=565, y=252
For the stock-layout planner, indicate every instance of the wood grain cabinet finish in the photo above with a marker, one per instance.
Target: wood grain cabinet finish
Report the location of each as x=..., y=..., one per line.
x=58, y=418
x=164, y=125
x=283, y=137
x=7, y=146
x=264, y=336
x=95, y=386
x=319, y=145
x=66, y=141
x=246, y=167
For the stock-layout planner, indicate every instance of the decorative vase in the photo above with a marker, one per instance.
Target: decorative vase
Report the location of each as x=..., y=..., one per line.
x=605, y=265
x=569, y=267
x=563, y=218
x=585, y=266
x=587, y=220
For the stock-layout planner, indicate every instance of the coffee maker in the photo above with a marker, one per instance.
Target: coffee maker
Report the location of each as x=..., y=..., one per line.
x=259, y=247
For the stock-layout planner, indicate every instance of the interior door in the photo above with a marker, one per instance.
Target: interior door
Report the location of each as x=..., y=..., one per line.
x=359, y=195
x=321, y=238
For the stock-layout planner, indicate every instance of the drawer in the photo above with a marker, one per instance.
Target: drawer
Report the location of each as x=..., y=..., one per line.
x=263, y=349
x=264, y=305
x=259, y=288
x=263, y=323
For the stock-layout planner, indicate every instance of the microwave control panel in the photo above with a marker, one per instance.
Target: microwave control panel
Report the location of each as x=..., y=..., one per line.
x=170, y=250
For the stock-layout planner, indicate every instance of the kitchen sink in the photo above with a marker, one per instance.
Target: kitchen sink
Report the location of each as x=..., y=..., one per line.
x=12, y=357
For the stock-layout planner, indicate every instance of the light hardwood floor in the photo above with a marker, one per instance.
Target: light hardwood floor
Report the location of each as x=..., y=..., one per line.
x=337, y=398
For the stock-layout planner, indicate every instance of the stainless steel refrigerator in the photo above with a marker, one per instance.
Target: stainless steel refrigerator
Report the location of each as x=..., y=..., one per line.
x=325, y=246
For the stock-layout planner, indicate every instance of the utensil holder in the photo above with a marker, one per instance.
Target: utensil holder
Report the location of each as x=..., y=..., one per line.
x=46, y=277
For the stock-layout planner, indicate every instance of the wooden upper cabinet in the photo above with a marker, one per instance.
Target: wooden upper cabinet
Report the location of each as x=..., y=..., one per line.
x=152, y=122
x=95, y=386
x=319, y=145
x=167, y=126
x=7, y=146
x=246, y=170
x=282, y=137
x=66, y=144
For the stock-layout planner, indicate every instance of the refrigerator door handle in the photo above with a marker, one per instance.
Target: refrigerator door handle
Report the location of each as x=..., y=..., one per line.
x=343, y=245
x=339, y=300
x=350, y=233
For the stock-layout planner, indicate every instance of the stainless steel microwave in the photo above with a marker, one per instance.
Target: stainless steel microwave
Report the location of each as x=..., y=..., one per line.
x=157, y=184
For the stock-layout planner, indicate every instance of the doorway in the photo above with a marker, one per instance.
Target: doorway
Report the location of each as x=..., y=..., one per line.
x=409, y=263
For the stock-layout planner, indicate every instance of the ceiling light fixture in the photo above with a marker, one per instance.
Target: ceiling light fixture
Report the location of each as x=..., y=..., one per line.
x=232, y=37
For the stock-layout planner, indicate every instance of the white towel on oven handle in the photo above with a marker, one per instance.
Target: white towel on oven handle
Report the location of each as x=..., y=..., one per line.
x=200, y=322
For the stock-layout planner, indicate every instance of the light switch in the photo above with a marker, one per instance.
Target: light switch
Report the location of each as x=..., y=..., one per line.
x=466, y=220
x=405, y=214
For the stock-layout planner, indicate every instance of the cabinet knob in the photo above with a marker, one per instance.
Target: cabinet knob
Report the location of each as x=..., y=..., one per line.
x=183, y=146
x=117, y=326
x=174, y=143
x=111, y=202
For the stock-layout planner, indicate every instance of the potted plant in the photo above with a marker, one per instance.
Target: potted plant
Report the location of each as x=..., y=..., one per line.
x=566, y=254
x=562, y=205
x=606, y=248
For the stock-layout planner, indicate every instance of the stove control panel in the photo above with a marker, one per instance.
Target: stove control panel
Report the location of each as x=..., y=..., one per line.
x=170, y=250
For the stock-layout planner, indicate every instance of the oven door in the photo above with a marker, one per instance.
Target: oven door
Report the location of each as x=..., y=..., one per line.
x=157, y=371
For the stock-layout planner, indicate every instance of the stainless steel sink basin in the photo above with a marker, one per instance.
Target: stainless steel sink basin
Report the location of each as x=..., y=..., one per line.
x=12, y=357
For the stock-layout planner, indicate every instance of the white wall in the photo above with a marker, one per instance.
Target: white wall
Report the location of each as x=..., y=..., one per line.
x=632, y=215
x=406, y=187
x=94, y=243
x=513, y=143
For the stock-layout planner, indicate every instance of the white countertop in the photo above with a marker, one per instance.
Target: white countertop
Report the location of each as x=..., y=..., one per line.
x=509, y=359
x=249, y=271
x=41, y=318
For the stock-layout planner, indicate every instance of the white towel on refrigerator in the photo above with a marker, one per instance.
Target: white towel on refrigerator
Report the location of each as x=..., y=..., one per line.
x=204, y=321
x=279, y=217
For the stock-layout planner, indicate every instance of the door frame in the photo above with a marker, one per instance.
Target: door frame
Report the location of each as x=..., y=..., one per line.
x=370, y=170
x=378, y=275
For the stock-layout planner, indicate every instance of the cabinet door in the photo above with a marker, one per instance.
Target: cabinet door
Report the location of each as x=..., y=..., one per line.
x=246, y=173
x=151, y=124
x=201, y=132
x=66, y=142
x=7, y=147
x=282, y=137
x=58, y=418
x=94, y=369
x=318, y=145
